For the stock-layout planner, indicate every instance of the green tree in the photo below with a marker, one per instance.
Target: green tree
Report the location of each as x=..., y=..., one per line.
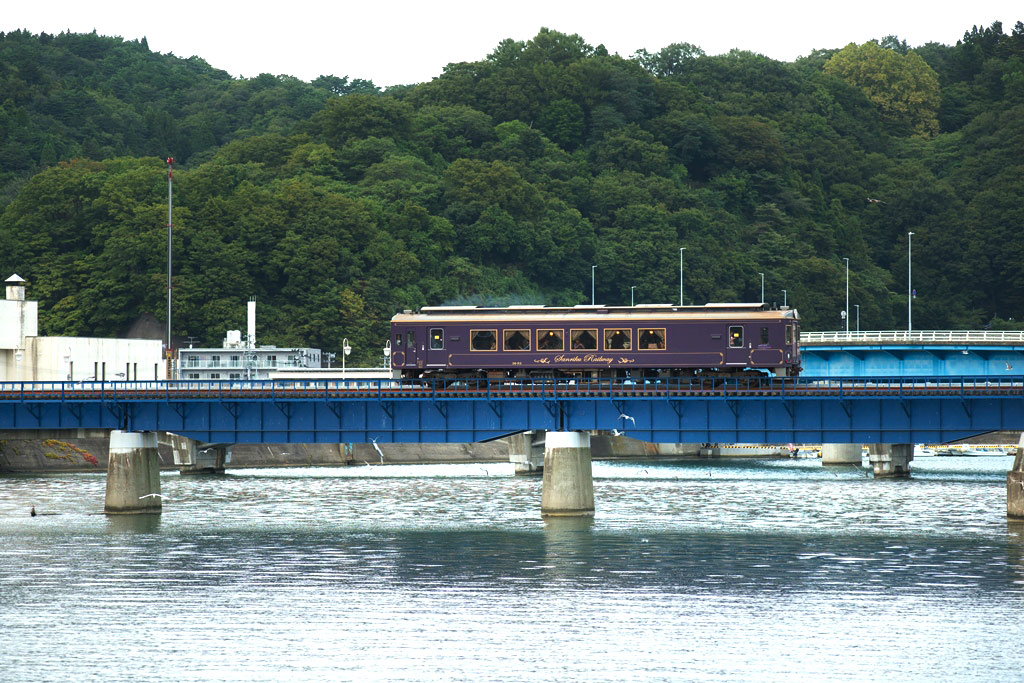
x=902, y=86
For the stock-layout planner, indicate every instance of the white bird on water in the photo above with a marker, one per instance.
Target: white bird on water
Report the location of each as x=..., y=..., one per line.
x=377, y=448
x=153, y=495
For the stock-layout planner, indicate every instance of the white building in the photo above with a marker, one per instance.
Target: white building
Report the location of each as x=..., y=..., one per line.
x=26, y=357
x=242, y=359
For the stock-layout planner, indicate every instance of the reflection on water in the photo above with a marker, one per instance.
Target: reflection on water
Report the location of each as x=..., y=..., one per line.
x=688, y=571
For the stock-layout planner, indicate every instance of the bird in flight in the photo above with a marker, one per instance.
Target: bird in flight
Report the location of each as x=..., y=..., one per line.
x=872, y=200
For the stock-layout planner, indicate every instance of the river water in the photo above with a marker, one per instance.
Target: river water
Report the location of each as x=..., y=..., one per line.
x=694, y=570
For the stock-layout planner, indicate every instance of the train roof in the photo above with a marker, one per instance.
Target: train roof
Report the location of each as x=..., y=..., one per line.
x=713, y=311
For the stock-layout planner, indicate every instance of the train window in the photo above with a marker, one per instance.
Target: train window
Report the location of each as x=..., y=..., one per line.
x=651, y=338
x=483, y=340
x=764, y=335
x=516, y=340
x=617, y=339
x=436, y=339
x=398, y=341
x=736, y=336
x=583, y=340
x=789, y=334
x=550, y=340
x=410, y=340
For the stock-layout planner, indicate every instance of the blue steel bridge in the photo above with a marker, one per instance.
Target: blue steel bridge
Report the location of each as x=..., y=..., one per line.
x=936, y=409
x=924, y=353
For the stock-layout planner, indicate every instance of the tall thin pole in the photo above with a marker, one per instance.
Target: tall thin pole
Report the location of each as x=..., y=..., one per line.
x=762, y=287
x=592, y=269
x=631, y=291
x=910, y=291
x=847, y=293
x=784, y=298
x=858, y=316
x=681, y=250
x=170, y=182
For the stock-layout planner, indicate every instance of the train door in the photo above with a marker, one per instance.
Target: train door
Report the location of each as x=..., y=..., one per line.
x=411, y=347
x=437, y=355
x=736, y=353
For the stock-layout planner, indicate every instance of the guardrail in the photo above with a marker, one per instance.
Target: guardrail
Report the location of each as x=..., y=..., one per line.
x=543, y=388
x=915, y=337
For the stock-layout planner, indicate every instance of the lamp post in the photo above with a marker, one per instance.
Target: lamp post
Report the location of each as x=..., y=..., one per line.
x=847, y=293
x=681, y=250
x=592, y=269
x=631, y=290
x=762, y=287
x=170, y=182
x=909, y=281
x=784, y=297
x=346, y=349
x=857, y=306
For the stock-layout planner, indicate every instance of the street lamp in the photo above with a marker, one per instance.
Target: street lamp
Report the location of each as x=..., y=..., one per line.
x=681, y=250
x=592, y=269
x=909, y=290
x=783, y=297
x=170, y=182
x=631, y=290
x=346, y=349
x=762, y=287
x=857, y=306
x=847, y=293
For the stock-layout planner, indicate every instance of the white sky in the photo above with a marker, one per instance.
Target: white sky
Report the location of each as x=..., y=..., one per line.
x=394, y=42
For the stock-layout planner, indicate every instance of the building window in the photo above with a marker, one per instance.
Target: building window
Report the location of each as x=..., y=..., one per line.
x=235, y=361
x=193, y=361
x=483, y=340
x=193, y=375
x=736, y=337
x=214, y=361
x=271, y=360
x=215, y=375
x=617, y=339
x=651, y=338
x=550, y=340
x=235, y=375
x=583, y=340
x=516, y=340
x=436, y=339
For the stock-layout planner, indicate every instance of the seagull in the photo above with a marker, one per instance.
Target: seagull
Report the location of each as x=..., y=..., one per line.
x=1009, y=365
x=875, y=201
x=152, y=495
x=616, y=432
x=485, y=472
x=378, y=450
x=623, y=416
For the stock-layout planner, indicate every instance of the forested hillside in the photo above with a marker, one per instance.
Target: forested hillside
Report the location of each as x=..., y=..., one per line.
x=505, y=180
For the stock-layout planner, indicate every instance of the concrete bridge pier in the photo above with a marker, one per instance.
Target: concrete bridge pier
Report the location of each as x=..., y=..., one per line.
x=841, y=453
x=891, y=460
x=133, y=474
x=1015, y=485
x=526, y=452
x=194, y=457
x=568, y=486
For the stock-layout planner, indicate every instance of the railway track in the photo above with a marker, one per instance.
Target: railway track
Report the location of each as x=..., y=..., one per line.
x=509, y=388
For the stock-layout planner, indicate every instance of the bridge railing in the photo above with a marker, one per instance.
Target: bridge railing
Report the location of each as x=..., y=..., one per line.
x=507, y=388
x=915, y=337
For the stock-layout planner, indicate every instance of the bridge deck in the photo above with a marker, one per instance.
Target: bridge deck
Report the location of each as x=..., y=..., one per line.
x=769, y=410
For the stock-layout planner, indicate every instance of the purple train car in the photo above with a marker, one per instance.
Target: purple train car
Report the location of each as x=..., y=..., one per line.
x=659, y=340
